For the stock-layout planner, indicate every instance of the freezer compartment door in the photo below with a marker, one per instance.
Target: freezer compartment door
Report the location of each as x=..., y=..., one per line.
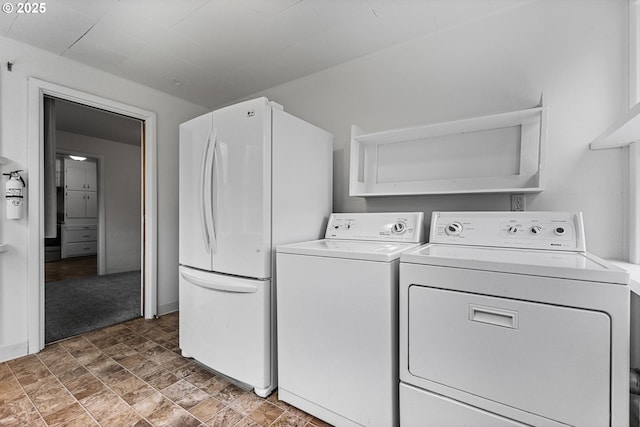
x=225, y=324
x=194, y=204
x=552, y=361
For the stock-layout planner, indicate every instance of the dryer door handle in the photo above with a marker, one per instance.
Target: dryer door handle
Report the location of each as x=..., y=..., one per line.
x=493, y=316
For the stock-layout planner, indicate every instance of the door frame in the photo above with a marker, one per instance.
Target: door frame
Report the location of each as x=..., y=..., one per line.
x=35, y=199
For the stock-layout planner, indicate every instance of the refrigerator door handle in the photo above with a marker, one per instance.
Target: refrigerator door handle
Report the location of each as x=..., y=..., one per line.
x=234, y=286
x=203, y=192
x=214, y=174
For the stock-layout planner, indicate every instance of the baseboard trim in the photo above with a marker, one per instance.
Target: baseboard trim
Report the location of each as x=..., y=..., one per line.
x=9, y=352
x=120, y=270
x=167, y=308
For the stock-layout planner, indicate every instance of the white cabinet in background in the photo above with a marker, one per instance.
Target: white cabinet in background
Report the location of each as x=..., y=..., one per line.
x=80, y=175
x=81, y=204
x=79, y=240
x=80, y=190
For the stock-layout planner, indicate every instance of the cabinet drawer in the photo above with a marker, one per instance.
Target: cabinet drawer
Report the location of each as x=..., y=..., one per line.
x=81, y=248
x=420, y=408
x=81, y=235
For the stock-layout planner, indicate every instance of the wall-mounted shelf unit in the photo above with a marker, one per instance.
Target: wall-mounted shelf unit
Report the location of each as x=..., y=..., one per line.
x=498, y=153
x=621, y=133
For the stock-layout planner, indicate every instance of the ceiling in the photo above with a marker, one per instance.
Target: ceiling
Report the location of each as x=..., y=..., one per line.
x=88, y=121
x=212, y=52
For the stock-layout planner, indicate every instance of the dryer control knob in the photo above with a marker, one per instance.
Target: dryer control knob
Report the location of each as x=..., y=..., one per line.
x=512, y=229
x=399, y=227
x=560, y=231
x=453, y=229
x=536, y=229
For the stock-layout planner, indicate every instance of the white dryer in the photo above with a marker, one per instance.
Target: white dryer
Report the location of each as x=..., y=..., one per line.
x=505, y=320
x=338, y=318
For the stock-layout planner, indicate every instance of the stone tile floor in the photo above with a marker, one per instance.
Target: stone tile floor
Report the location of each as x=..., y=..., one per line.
x=131, y=374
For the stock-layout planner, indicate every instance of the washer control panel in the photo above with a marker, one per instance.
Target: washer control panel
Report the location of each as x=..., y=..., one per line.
x=533, y=230
x=393, y=227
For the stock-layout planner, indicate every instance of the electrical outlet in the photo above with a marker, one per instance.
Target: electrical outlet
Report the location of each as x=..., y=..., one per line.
x=517, y=202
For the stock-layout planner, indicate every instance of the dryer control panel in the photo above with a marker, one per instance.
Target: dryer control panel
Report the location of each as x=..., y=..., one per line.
x=530, y=230
x=387, y=227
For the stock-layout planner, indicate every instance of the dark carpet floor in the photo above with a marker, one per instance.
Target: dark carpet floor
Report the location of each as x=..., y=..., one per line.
x=75, y=306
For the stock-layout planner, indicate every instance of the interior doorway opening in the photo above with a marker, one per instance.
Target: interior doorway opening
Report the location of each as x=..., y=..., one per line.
x=147, y=236
x=92, y=279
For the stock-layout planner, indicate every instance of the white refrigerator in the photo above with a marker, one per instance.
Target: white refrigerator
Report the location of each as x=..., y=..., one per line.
x=251, y=177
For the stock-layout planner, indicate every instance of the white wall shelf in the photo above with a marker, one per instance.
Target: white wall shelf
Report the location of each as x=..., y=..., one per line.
x=621, y=133
x=498, y=153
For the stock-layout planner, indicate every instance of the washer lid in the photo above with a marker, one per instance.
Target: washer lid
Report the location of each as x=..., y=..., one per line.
x=350, y=249
x=559, y=264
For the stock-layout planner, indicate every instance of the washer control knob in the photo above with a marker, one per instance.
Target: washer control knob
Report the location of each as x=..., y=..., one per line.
x=512, y=229
x=453, y=229
x=560, y=231
x=399, y=227
x=536, y=229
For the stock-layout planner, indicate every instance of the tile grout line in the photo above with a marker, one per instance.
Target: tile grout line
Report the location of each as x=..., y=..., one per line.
x=227, y=405
x=188, y=361
x=69, y=391
x=128, y=328
x=136, y=376
x=141, y=379
x=97, y=378
x=27, y=394
x=126, y=369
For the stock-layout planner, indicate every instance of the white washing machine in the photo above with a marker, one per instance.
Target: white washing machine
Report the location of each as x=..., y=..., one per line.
x=505, y=320
x=338, y=318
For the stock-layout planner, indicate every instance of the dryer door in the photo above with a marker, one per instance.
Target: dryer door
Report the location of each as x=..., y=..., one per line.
x=548, y=360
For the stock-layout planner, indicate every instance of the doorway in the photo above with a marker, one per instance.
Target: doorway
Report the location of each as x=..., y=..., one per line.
x=148, y=259
x=92, y=280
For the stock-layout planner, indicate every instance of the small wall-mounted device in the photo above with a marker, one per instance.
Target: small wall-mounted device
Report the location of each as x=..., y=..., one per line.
x=14, y=194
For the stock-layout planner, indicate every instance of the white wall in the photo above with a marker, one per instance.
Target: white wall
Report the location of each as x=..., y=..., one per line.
x=121, y=169
x=572, y=50
x=170, y=111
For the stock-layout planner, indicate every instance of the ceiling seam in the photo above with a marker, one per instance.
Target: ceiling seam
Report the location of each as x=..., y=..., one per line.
x=90, y=28
x=192, y=12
